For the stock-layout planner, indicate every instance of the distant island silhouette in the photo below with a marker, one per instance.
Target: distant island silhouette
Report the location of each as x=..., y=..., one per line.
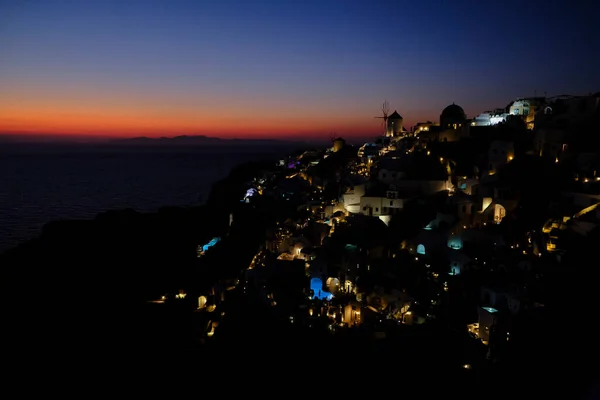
x=181, y=140
x=196, y=140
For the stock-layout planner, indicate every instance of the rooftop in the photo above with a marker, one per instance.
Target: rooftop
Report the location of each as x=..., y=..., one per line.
x=395, y=115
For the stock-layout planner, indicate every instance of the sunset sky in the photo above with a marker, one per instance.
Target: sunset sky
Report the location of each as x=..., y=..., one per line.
x=280, y=69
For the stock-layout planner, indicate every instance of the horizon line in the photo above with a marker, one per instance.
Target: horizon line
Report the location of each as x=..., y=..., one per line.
x=45, y=138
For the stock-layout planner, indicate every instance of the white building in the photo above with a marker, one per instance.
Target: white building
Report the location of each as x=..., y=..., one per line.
x=352, y=198
x=490, y=118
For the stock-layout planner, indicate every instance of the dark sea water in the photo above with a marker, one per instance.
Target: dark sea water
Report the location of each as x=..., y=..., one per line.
x=39, y=184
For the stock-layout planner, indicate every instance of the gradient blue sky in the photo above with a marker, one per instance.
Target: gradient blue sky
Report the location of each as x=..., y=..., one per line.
x=267, y=68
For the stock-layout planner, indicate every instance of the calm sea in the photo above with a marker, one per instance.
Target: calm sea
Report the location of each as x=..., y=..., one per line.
x=39, y=184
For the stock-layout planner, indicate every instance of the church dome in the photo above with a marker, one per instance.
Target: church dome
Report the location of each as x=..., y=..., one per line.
x=454, y=113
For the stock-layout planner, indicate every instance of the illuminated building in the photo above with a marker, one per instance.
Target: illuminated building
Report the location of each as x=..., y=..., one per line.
x=394, y=125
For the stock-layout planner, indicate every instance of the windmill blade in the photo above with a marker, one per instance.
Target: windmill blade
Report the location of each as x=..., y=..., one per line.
x=385, y=108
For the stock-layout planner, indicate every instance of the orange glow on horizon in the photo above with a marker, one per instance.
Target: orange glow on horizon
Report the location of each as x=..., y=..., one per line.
x=131, y=124
x=88, y=113
x=113, y=126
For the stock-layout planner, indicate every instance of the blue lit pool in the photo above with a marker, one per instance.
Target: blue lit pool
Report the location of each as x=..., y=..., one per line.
x=211, y=243
x=316, y=285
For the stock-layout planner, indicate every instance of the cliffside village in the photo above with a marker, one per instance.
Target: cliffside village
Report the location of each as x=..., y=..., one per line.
x=455, y=222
